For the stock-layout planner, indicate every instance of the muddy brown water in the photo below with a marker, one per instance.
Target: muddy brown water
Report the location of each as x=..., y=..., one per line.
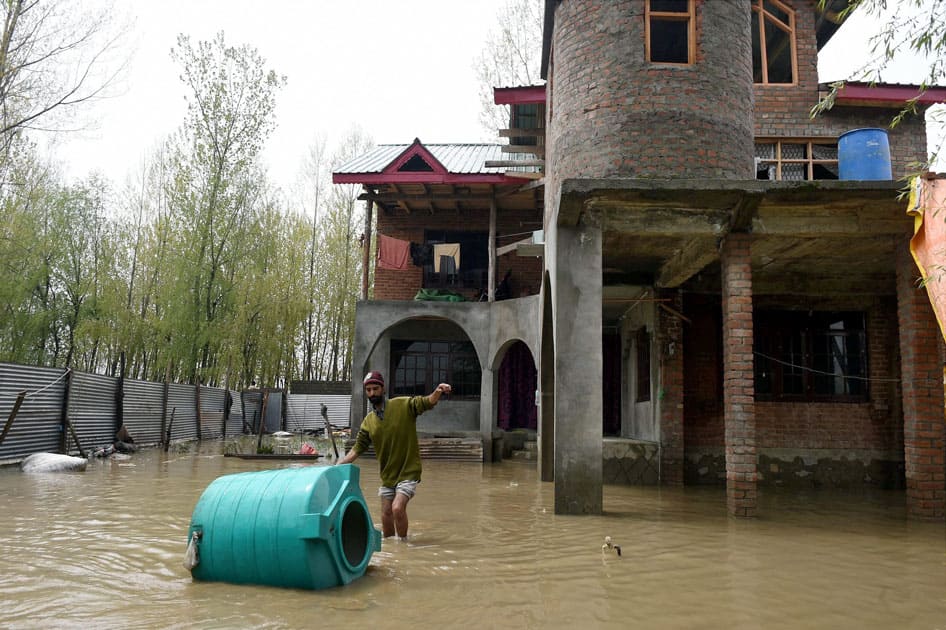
x=104, y=548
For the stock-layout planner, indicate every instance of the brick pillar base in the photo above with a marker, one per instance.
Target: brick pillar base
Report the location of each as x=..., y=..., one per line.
x=738, y=386
x=670, y=351
x=924, y=442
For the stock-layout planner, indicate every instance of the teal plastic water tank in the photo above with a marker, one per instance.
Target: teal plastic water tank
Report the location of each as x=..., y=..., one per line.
x=304, y=527
x=864, y=154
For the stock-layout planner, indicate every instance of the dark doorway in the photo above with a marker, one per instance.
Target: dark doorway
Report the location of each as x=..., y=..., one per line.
x=517, y=386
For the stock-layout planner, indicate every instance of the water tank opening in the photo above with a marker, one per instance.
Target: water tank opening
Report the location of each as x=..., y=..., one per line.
x=355, y=533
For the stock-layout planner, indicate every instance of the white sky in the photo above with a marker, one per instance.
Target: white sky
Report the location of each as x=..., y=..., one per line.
x=397, y=68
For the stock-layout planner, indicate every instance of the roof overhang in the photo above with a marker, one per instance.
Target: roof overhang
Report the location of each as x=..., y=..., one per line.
x=887, y=95
x=524, y=95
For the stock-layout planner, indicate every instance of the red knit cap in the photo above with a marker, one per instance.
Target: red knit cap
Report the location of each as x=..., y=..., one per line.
x=375, y=378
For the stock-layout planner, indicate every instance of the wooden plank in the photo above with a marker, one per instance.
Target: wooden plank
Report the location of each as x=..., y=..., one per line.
x=522, y=148
x=535, y=175
x=512, y=163
x=274, y=456
x=520, y=132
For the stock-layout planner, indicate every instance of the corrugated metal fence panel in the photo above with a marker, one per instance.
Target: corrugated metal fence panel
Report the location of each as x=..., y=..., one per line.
x=92, y=410
x=182, y=400
x=304, y=411
x=37, y=425
x=142, y=410
x=212, y=401
x=235, y=424
x=252, y=407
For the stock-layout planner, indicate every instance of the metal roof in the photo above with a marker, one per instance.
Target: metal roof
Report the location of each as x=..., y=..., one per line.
x=462, y=159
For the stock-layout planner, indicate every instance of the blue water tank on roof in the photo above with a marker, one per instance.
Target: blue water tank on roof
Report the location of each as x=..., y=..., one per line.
x=864, y=154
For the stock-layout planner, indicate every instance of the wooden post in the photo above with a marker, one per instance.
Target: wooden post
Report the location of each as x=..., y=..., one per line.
x=167, y=436
x=16, y=407
x=197, y=397
x=366, y=255
x=262, y=421
x=164, y=402
x=120, y=395
x=64, y=414
x=491, y=249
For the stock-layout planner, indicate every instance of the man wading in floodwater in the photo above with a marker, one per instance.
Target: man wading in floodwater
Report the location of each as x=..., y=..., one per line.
x=391, y=426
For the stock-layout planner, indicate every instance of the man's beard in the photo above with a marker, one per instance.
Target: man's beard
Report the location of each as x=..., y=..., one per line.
x=375, y=400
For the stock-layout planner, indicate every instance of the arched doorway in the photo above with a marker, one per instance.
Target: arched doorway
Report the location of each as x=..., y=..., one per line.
x=517, y=384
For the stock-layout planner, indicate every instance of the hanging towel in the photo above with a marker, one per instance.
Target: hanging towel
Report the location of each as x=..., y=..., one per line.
x=447, y=249
x=422, y=254
x=393, y=253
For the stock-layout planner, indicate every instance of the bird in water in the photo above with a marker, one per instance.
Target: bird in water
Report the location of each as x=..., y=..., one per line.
x=610, y=546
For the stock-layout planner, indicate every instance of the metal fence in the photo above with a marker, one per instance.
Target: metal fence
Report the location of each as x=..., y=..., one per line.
x=58, y=410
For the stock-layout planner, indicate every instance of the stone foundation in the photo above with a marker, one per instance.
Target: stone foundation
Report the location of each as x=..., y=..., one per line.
x=794, y=468
x=630, y=462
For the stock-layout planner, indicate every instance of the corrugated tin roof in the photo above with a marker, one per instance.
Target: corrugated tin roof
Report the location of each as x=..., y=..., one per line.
x=456, y=158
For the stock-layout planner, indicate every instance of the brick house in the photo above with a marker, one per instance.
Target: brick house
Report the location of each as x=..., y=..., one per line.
x=712, y=303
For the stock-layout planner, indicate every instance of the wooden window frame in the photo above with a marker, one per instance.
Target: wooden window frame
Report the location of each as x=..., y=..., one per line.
x=671, y=16
x=759, y=15
x=786, y=347
x=809, y=161
x=440, y=366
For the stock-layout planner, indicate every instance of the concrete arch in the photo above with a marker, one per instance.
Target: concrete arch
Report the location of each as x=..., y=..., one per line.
x=546, y=366
x=523, y=406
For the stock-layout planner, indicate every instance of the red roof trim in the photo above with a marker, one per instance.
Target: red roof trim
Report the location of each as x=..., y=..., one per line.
x=418, y=149
x=519, y=95
x=423, y=178
x=866, y=94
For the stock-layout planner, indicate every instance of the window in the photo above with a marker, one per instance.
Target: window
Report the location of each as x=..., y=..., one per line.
x=643, y=365
x=773, y=42
x=669, y=26
x=418, y=366
x=470, y=272
x=810, y=356
x=796, y=160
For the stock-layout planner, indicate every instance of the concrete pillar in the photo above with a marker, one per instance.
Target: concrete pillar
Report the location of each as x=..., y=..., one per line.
x=546, y=437
x=738, y=386
x=488, y=411
x=670, y=396
x=924, y=442
x=576, y=301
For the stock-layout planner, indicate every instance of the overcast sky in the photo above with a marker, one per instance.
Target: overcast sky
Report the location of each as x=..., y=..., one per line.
x=397, y=68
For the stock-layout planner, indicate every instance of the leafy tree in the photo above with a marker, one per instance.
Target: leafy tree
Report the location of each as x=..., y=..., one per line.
x=231, y=102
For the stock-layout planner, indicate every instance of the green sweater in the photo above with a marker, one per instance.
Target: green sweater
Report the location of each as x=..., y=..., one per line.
x=394, y=438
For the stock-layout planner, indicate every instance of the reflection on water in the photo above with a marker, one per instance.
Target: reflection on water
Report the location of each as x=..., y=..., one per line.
x=104, y=548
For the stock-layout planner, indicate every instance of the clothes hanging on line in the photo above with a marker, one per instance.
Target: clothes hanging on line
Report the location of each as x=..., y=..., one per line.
x=393, y=253
x=422, y=254
x=447, y=249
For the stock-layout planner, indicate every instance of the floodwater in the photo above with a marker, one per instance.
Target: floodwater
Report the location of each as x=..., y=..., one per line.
x=104, y=548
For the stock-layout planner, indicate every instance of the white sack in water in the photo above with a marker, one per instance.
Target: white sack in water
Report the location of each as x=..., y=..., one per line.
x=52, y=462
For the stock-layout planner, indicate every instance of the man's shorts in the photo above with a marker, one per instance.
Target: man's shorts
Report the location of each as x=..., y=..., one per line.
x=407, y=488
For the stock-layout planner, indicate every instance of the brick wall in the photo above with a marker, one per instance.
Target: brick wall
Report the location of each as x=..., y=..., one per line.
x=526, y=275
x=613, y=114
x=783, y=111
x=924, y=435
x=738, y=388
x=670, y=352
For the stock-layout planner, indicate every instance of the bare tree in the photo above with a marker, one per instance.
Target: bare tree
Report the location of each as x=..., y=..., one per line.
x=511, y=56
x=53, y=58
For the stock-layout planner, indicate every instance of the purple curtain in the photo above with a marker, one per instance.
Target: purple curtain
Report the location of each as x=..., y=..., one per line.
x=517, y=384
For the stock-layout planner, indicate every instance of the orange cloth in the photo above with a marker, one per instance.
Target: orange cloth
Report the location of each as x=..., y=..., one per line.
x=447, y=249
x=393, y=253
x=928, y=245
